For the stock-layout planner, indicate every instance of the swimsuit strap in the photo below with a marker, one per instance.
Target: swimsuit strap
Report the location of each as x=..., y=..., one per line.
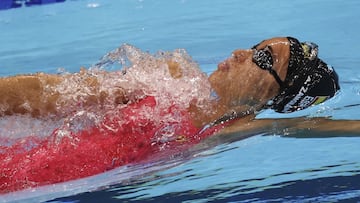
x=230, y=117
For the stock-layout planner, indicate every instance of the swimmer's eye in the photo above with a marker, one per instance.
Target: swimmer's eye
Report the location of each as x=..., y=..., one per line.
x=263, y=58
x=310, y=50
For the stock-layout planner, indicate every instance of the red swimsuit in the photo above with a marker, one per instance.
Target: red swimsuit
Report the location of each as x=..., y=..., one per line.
x=33, y=162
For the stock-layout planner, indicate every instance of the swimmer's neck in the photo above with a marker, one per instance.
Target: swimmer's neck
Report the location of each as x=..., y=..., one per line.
x=218, y=112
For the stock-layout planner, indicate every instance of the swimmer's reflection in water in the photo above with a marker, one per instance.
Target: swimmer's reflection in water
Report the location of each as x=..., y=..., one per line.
x=279, y=73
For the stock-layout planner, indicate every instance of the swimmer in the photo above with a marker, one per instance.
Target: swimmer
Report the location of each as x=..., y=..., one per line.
x=279, y=73
x=285, y=75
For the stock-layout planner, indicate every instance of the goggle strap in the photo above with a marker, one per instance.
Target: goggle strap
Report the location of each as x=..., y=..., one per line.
x=277, y=78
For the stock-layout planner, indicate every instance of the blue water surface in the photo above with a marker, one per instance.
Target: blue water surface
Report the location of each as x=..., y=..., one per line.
x=262, y=168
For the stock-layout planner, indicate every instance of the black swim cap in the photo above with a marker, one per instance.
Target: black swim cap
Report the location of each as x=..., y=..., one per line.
x=308, y=81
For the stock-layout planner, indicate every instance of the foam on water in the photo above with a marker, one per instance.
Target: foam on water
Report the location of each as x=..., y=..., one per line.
x=150, y=73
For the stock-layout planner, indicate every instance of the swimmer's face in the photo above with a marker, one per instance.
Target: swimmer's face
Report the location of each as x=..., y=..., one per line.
x=238, y=80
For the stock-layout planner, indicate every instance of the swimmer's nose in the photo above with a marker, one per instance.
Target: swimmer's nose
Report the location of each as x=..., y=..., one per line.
x=223, y=66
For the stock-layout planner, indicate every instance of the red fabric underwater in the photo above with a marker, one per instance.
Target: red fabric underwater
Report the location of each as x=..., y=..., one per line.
x=33, y=162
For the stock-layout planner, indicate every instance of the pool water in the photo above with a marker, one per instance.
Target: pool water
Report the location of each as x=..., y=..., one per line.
x=263, y=168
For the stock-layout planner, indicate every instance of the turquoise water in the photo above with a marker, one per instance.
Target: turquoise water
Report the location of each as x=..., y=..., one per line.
x=262, y=168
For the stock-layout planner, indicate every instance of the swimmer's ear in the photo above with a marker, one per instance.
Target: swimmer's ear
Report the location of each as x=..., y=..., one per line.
x=174, y=69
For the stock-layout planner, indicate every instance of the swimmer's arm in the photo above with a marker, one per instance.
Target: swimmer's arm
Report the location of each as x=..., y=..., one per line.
x=24, y=94
x=306, y=127
x=37, y=94
x=322, y=127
